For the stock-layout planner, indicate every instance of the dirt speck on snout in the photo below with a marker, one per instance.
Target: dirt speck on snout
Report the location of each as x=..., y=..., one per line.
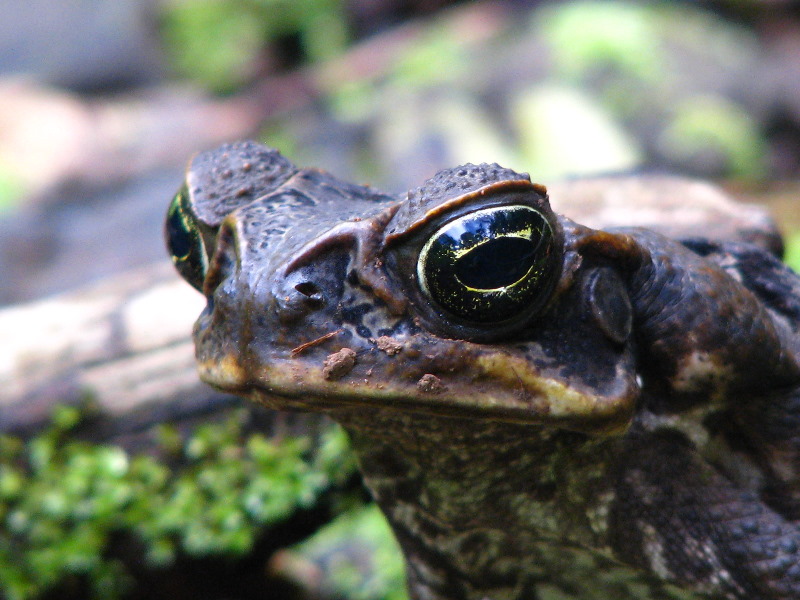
x=430, y=384
x=389, y=345
x=338, y=364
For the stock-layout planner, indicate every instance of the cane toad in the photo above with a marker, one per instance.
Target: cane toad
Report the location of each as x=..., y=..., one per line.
x=541, y=409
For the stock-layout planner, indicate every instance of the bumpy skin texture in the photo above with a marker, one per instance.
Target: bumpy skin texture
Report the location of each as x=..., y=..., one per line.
x=635, y=438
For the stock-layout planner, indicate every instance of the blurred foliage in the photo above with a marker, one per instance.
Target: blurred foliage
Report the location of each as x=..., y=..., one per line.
x=221, y=43
x=438, y=58
x=563, y=131
x=360, y=556
x=792, y=251
x=62, y=500
x=587, y=37
x=634, y=62
x=719, y=133
x=591, y=87
x=12, y=188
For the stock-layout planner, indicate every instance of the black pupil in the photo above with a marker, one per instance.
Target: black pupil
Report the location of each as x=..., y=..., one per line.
x=179, y=239
x=497, y=263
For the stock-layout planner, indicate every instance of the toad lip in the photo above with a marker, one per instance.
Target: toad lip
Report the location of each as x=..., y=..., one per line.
x=499, y=387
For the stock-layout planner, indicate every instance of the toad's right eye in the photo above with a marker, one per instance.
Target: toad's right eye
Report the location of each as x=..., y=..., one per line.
x=491, y=265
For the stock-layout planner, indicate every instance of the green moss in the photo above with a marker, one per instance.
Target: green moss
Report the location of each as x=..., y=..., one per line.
x=61, y=500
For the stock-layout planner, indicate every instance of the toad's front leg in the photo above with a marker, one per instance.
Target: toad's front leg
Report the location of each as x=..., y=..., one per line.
x=681, y=518
x=707, y=484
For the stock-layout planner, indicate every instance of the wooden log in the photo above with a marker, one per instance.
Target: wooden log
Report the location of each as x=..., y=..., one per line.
x=122, y=345
x=676, y=207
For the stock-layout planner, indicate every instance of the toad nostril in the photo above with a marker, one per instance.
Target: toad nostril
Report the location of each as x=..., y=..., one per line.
x=296, y=296
x=312, y=296
x=308, y=289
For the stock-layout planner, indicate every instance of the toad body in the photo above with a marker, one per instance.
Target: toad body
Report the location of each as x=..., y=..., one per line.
x=541, y=409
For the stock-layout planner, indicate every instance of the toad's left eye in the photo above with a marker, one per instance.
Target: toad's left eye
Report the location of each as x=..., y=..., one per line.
x=490, y=265
x=184, y=240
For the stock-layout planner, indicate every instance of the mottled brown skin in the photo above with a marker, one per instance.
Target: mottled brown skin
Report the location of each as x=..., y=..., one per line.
x=636, y=437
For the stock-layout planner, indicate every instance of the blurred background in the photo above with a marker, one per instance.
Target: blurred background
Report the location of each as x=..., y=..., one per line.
x=102, y=102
